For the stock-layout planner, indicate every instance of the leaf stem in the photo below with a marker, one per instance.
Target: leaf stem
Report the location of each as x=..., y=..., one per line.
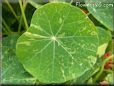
x=6, y=26
x=71, y=1
x=20, y=23
x=5, y=31
x=34, y=4
x=12, y=10
x=23, y=14
x=101, y=70
x=24, y=4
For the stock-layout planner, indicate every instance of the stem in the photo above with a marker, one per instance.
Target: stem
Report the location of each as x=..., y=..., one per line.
x=55, y=0
x=71, y=1
x=23, y=14
x=5, y=31
x=12, y=10
x=102, y=69
x=24, y=4
x=6, y=26
x=34, y=4
x=109, y=71
x=19, y=27
x=20, y=22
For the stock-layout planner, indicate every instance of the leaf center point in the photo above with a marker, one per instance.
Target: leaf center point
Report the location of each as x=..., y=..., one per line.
x=53, y=38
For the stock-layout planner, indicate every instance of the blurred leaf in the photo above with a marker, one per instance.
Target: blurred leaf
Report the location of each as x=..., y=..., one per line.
x=104, y=38
x=102, y=10
x=12, y=71
x=110, y=78
x=104, y=35
x=110, y=46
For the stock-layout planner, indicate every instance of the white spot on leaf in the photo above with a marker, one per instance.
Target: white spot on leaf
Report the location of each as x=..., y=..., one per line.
x=24, y=43
x=53, y=38
x=60, y=20
x=94, y=9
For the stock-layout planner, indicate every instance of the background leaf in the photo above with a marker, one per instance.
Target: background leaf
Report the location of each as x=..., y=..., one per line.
x=104, y=39
x=103, y=11
x=110, y=77
x=12, y=70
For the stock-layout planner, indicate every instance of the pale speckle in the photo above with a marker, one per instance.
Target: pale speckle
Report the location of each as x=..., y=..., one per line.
x=25, y=43
x=11, y=42
x=83, y=46
x=63, y=73
x=94, y=9
x=35, y=26
x=47, y=71
x=73, y=51
x=72, y=63
x=80, y=64
x=93, y=45
x=86, y=17
x=92, y=59
x=11, y=77
x=73, y=75
x=5, y=52
x=89, y=49
x=83, y=29
x=34, y=35
x=101, y=49
x=93, y=33
x=31, y=39
x=10, y=59
x=61, y=35
x=60, y=20
x=77, y=48
x=35, y=50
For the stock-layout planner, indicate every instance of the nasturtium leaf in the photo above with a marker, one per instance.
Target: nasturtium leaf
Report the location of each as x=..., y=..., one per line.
x=104, y=38
x=59, y=45
x=104, y=35
x=82, y=79
x=12, y=70
x=88, y=74
x=102, y=10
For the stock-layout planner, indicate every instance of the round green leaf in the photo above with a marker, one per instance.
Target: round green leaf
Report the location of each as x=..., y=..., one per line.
x=102, y=10
x=59, y=44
